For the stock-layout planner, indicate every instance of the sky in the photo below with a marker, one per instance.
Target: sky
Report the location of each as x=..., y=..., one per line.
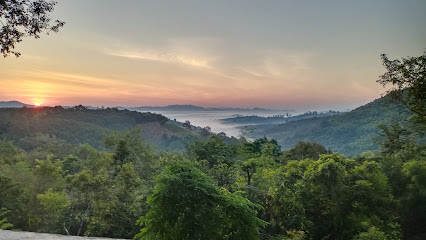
x=272, y=54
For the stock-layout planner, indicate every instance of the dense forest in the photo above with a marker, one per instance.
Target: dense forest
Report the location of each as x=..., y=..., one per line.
x=32, y=128
x=111, y=172
x=90, y=172
x=216, y=189
x=350, y=133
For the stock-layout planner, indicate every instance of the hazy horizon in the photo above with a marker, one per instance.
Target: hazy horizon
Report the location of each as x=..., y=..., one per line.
x=254, y=108
x=277, y=55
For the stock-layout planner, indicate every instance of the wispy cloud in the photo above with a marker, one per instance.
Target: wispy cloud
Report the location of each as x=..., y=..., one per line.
x=275, y=65
x=68, y=78
x=195, y=53
x=162, y=56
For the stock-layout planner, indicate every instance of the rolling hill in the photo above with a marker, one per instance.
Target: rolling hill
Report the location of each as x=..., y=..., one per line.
x=350, y=133
x=30, y=128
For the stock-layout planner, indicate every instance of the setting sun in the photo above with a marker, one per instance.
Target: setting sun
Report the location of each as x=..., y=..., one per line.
x=37, y=104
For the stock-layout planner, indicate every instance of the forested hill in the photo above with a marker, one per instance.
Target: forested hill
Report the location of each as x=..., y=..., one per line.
x=277, y=119
x=30, y=128
x=350, y=133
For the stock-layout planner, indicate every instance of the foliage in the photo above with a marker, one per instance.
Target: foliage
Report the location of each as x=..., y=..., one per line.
x=372, y=234
x=394, y=139
x=116, y=215
x=47, y=127
x=407, y=78
x=24, y=18
x=261, y=146
x=214, y=150
x=55, y=206
x=284, y=200
x=4, y=224
x=187, y=125
x=48, y=174
x=350, y=133
x=414, y=210
x=303, y=150
x=97, y=178
x=87, y=191
x=186, y=204
x=332, y=197
x=129, y=147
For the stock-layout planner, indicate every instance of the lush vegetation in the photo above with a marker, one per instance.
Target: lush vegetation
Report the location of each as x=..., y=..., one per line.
x=350, y=133
x=354, y=132
x=43, y=127
x=216, y=190
x=219, y=188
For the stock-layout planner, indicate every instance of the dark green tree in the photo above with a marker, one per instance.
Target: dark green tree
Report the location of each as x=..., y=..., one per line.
x=4, y=224
x=213, y=149
x=186, y=204
x=413, y=201
x=88, y=192
x=394, y=139
x=284, y=203
x=303, y=150
x=116, y=216
x=129, y=147
x=407, y=80
x=331, y=198
x=187, y=125
x=372, y=234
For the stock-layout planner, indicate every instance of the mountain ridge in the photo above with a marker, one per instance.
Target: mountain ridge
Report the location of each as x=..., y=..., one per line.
x=13, y=104
x=173, y=107
x=350, y=133
x=189, y=107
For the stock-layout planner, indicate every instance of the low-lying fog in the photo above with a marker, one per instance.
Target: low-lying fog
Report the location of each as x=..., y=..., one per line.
x=212, y=118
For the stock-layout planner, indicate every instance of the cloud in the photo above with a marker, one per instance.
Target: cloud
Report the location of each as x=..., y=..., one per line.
x=278, y=65
x=68, y=79
x=162, y=56
x=195, y=53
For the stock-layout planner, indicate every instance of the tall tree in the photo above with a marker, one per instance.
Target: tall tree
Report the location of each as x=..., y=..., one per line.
x=186, y=204
x=303, y=150
x=407, y=80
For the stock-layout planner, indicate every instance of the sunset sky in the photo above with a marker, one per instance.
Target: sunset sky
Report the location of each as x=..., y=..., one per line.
x=274, y=54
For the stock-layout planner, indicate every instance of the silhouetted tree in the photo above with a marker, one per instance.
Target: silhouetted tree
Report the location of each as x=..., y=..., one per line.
x=187, y=125
x=206, y=131
x=24, y=18
x=407, y=78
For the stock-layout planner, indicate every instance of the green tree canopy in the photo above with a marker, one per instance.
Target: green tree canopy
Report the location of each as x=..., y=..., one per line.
x=213, y=149
x=186, y=204
x=303, y=150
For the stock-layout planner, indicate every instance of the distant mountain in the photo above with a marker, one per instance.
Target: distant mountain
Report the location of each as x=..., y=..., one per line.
x=276, y=119
x=13, y=104
x=350, y=133
x=169, y=108
x=193, y=108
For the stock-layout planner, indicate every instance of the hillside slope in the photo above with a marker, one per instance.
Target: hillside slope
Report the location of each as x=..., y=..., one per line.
x=350, y=133
x=29, y=128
